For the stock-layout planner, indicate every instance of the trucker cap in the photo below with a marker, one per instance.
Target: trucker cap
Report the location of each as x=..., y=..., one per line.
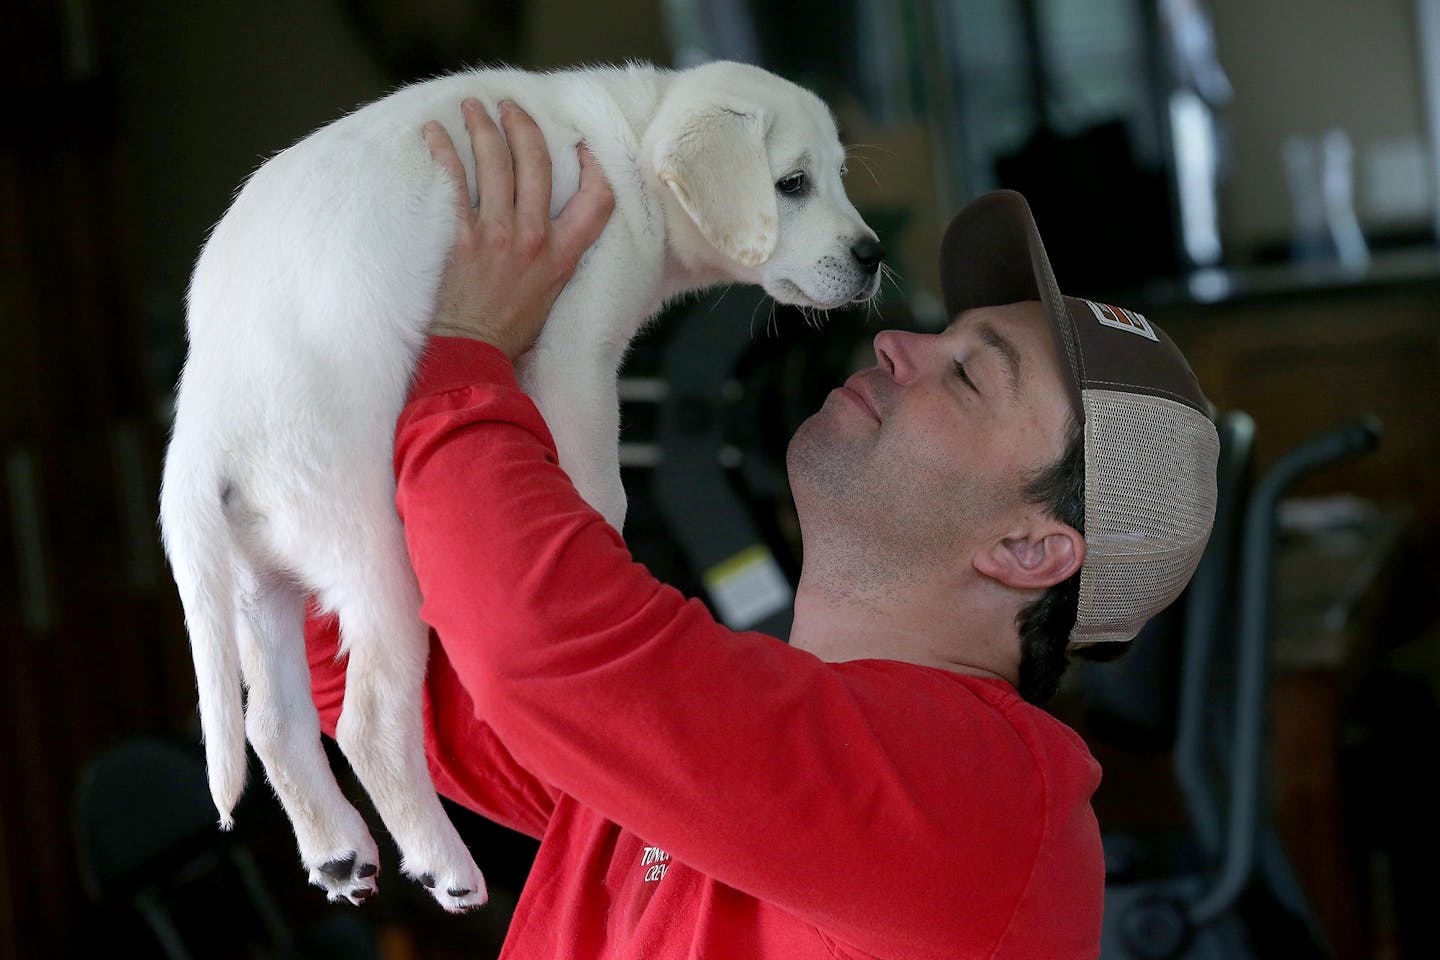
x=1150, y=444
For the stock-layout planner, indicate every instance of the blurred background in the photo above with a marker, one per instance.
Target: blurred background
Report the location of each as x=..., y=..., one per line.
x=1259, y=178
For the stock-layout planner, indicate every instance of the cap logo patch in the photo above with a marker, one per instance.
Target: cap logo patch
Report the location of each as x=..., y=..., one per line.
x=1122, y=319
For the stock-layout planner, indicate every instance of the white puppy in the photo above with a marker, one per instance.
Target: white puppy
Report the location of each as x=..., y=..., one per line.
x=307, y=312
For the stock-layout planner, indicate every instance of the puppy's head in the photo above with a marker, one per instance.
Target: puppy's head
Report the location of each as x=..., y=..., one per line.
x=755, y=163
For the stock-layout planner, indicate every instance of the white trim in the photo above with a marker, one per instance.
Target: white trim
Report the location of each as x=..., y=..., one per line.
x=1427, y=30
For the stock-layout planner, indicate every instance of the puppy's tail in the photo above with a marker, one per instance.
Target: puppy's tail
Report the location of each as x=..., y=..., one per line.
x=202, y=554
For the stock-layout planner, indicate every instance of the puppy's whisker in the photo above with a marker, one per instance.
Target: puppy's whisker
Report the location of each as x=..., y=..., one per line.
x=872, y=311
x=869, y=146
x=869, y=168
x=889, y=273
x=756, y=310
x=723, y=292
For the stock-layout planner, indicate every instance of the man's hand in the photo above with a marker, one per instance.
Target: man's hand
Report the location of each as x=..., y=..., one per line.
x=510, y=260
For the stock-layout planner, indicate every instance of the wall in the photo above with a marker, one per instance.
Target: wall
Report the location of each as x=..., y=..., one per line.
x=1301, y=67
x=206, y=91
x=563, y=33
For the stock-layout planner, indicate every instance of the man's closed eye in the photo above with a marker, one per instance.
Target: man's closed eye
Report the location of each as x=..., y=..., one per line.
x=963, y=375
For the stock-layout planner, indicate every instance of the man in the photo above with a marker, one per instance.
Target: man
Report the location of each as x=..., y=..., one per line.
x=1037, y=477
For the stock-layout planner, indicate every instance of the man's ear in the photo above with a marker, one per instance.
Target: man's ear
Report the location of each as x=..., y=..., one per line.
x=1033, y=559
x=714, y=161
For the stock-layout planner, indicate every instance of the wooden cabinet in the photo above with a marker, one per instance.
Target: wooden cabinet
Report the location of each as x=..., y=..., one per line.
x=1305, y=359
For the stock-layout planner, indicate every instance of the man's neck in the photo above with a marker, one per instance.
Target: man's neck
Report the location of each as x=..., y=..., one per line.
x=963, y=627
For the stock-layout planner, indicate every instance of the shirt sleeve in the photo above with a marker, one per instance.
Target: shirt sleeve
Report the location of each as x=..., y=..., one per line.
x=883, y=801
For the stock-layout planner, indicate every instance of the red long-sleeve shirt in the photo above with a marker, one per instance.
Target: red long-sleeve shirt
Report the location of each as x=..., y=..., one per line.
x=700, y=792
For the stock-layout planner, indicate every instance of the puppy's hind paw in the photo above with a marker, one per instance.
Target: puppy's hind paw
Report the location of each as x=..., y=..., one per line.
x=455, y=892
x=347, y=877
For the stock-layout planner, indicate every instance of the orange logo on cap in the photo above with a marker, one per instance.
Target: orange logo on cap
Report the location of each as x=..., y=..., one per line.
x=1122, y=319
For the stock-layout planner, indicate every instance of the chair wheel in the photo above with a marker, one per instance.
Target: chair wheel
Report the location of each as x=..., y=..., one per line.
x=1156, y=928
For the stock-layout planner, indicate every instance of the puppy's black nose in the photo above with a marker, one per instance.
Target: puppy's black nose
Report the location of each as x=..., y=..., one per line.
x=869, y=253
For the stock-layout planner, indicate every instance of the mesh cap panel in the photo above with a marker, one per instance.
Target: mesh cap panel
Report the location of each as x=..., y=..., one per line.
x=1149, y=505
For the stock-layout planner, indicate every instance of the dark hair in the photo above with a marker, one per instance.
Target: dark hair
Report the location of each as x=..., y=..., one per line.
x=1045, y=624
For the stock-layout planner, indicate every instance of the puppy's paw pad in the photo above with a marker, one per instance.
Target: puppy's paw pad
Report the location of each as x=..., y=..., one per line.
x=455, y=894
x=459, y=901
x=345, y=877
x=340, y=868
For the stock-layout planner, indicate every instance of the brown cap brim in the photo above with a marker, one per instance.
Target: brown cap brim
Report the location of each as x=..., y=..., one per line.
x=992, y=255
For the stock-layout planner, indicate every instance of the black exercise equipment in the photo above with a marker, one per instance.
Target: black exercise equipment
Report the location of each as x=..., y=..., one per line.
x=1225, y=890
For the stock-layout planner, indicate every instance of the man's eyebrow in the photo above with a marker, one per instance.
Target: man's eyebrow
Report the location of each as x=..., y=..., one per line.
x=992, y=338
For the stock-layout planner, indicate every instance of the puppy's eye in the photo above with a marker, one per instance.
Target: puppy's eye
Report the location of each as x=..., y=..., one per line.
x=792, y=185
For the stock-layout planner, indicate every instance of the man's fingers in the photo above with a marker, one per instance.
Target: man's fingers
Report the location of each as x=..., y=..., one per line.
x=493, y=171
x=584, y=217
x=442, y=148
x=532, y=171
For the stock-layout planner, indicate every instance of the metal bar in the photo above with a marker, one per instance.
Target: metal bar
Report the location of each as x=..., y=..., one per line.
x=1252, y=661
x=1208, y=598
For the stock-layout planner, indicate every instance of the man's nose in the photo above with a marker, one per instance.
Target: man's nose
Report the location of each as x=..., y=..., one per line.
x=868, y=253
x=895, y=352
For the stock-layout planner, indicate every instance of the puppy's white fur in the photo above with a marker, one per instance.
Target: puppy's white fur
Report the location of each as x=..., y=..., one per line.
x=307, y=312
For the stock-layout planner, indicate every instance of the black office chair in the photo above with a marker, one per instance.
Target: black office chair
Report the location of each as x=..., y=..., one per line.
x=1224, y=889
x=145, y=826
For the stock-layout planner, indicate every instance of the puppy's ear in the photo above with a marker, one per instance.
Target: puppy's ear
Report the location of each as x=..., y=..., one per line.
x=715, y=163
